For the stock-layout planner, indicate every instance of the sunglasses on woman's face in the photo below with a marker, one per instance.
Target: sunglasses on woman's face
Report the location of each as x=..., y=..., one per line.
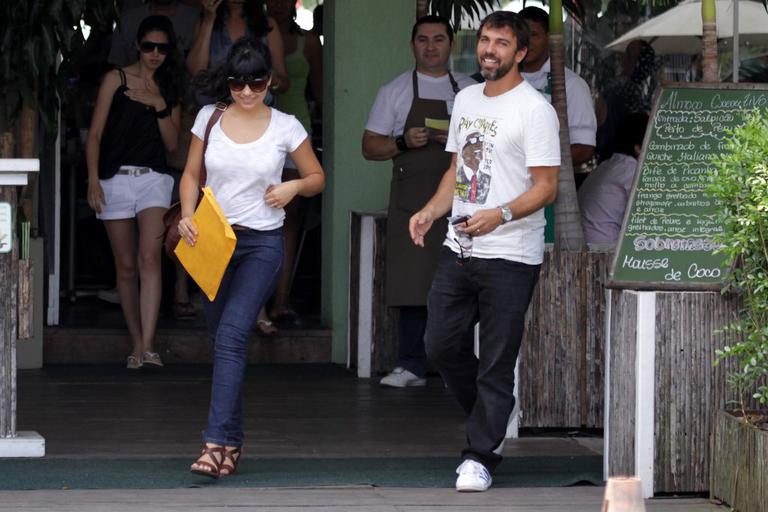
x=149, y=47
x=256, y=85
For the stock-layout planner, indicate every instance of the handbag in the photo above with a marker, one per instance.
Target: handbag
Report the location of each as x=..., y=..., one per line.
x=172, y=216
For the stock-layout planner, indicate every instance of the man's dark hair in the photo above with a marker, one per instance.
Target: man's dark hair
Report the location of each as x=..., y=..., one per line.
x=538, y=15
x=510, y=20
x=432, y=18
x=631, y=133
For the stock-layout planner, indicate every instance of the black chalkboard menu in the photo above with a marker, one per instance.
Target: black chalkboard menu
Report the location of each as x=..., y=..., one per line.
x=666, y=239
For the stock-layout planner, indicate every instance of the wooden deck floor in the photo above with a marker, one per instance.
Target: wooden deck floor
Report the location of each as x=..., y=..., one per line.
x=292, y=411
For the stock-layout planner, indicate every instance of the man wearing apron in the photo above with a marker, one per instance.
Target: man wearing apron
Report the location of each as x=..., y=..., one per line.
x=408, y=123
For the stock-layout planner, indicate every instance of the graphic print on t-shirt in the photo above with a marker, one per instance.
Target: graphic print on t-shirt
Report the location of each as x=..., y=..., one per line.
x=475, y=161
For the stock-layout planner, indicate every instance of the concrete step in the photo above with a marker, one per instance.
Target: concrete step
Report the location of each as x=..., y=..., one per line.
x=81, y=345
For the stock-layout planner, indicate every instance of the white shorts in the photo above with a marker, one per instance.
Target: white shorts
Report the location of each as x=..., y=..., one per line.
x=126, y=195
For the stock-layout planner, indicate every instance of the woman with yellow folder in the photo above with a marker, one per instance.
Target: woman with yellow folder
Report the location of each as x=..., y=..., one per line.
x=244, y=156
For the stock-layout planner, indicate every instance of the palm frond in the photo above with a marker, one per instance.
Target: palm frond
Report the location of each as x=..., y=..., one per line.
x=456, y=10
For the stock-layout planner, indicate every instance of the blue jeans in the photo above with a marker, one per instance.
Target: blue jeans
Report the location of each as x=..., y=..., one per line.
x=496, y=293
x=248, y=282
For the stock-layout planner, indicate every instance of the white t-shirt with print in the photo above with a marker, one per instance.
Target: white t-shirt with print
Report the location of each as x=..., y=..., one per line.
x=239, y=174
x=496, y=140
x=582, y=123
x=393, y=101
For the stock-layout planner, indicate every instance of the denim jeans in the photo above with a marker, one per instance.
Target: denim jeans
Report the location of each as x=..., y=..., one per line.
x=248, y=282
x=496, y=293
x=411, y=356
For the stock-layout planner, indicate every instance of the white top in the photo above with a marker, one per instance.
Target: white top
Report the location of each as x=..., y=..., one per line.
x=239, y=174
x=393, y=101
x=603, y=198
x=496, y=140
x=582, y=123
x=123, y=50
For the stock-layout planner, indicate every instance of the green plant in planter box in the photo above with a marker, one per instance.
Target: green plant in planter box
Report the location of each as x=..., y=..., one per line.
x=739, y=182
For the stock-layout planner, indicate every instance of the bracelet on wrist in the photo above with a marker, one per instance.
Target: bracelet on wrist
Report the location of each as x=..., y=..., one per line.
x=400, y=143
x=163, y=113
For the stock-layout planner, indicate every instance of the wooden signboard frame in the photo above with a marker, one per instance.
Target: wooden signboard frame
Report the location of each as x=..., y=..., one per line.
x=665, y=285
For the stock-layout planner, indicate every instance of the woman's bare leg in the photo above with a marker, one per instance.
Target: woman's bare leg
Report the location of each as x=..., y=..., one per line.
x=151, y=230
x=122, y=239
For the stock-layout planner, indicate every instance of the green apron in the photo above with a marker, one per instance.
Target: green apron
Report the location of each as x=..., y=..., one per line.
x=416, y=175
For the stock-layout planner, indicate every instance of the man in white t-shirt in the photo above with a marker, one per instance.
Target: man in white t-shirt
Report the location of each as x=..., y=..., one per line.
x=405, y=125
x=604, y=195
x=582, y=124
x=505, y=157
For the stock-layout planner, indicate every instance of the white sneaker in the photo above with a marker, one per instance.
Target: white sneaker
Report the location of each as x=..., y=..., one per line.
x=473, y=477
x=402, y=378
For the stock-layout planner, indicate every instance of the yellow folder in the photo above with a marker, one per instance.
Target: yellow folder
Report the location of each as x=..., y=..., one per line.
x=437, y=124
x=207, y=260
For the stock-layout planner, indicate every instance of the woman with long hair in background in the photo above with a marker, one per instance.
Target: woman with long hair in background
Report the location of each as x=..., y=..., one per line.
x=135, y=121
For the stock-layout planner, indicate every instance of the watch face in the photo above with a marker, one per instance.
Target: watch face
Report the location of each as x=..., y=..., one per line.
x=506, y=214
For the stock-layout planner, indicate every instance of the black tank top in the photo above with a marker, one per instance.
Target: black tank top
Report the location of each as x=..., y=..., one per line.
x=131, y=135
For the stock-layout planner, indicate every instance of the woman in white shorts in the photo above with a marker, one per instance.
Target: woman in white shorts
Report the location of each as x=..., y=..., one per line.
x=135, y=121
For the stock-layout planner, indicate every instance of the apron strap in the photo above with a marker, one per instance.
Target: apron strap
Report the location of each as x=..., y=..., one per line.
x=454, y=85
x=415, y=79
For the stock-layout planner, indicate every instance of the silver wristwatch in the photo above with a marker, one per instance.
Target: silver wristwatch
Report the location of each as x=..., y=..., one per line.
x=506, y=214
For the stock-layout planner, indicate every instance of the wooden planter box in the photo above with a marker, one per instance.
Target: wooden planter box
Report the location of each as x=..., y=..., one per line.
x=739, y=466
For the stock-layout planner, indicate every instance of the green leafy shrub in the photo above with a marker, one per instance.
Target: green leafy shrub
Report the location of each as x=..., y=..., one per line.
x=739, y=182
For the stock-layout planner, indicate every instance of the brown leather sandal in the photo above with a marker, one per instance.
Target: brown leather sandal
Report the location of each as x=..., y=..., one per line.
x=210, y=469
x=230, y=461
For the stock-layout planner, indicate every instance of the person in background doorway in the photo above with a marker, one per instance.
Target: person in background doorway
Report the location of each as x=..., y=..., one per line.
x=490, y=275
x=397, y=129
x=632, y=91
x=536, y=70
x=135, y=121
x=304, y=64
x=604, y=194
x=183, y=17
x=225, y=21
x=244, y=159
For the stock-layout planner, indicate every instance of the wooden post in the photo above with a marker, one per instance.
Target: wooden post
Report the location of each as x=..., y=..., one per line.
x=7, y=313
x=13, y=173
x=8, y=284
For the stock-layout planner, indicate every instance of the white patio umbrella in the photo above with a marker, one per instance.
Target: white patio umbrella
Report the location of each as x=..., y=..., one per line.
x=678, y=30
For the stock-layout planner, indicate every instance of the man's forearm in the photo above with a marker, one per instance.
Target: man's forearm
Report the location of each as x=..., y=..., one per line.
x=581, y=153
x=379, y=147
x=542, y=193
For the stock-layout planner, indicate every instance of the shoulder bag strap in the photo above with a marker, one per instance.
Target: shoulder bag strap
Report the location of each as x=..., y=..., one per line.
x=220, y=108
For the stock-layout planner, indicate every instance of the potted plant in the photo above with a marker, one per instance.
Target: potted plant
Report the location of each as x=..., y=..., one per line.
x=739, y=182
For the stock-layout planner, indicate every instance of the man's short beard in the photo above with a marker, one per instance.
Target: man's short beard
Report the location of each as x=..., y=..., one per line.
x=500, y=72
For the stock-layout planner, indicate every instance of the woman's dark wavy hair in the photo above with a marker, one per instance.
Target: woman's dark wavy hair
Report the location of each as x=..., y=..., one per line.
x=170, y=75
x=248, y=58
x=254, y=12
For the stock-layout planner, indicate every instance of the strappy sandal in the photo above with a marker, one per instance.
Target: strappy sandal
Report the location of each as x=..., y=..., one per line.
x=266, y=327
x=210, y=469
x=230, y=461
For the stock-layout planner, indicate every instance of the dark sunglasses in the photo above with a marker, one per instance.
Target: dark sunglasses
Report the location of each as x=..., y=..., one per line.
x=256, y=84
x=149, y=47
